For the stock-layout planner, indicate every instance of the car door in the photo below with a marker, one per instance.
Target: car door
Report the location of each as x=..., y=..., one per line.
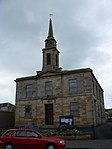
x=19, y=139
x=35, y=141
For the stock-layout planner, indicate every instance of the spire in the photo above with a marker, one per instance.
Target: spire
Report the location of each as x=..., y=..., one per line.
x=50, y=53
x=50, y=33
x=50, y=41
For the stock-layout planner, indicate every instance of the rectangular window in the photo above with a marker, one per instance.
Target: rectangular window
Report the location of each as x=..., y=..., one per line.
x=74, y=109
x=72, y=86
x=48, y=88
x=28, y=111
x=29, y=91
x=31, y=134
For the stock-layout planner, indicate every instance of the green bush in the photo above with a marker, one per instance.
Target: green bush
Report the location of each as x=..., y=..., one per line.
x=110, y=113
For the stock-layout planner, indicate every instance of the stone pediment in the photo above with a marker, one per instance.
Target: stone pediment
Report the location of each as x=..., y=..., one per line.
x=49, y=73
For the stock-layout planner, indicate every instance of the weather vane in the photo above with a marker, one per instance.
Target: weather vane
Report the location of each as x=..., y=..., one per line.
x=50, y=15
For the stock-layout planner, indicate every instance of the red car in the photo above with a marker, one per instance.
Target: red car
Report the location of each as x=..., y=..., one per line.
x=29, y=139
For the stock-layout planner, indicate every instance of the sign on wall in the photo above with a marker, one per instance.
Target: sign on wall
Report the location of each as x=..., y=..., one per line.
x=66, y=121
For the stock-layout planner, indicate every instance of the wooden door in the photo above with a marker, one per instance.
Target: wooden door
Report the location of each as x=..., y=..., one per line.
x=49, y=114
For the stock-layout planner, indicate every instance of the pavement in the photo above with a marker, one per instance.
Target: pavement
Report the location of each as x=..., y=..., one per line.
x=89, y=144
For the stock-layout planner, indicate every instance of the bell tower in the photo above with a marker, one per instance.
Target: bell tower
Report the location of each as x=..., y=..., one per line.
x=50, y=53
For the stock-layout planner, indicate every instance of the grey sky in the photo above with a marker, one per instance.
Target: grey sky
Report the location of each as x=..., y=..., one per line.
x=82, y=28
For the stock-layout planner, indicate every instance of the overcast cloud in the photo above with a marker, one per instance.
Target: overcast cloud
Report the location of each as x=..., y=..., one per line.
x=82, y=28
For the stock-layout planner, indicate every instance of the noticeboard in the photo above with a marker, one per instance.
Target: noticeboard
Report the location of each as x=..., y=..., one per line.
x=66, y=121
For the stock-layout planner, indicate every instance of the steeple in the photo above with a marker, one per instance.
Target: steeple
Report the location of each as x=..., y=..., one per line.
x=50, y=53
x=50, y=33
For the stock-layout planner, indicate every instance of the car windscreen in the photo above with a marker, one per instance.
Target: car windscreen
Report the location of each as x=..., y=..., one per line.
x=8, y=133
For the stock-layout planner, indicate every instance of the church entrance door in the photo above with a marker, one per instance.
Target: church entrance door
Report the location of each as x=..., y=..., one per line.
x=49, y=114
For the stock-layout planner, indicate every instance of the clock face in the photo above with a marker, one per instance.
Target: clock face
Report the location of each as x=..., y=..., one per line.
x=50, y=43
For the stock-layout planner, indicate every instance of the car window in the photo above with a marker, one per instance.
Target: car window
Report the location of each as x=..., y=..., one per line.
x=8, y=133
x=31, y=134
x=18, y=133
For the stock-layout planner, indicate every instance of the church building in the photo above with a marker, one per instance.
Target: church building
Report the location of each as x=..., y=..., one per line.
x=54, y=93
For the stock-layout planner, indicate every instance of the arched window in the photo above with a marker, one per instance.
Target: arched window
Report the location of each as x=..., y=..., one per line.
x=48, y=58
x=56, y=60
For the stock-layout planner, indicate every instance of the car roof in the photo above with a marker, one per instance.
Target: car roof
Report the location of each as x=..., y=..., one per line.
x=10, y=130
x=16, y=129
x=20, y=129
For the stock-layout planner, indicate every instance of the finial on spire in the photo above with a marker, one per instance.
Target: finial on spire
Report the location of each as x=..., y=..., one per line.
x=50, y=15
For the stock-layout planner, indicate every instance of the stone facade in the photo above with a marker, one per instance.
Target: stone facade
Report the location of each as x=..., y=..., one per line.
x=42, y=98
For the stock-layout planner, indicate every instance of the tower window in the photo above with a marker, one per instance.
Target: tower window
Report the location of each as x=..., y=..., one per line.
x=56, y=60
x=48, y=58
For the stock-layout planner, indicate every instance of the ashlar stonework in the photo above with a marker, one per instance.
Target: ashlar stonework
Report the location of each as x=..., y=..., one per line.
x=53, y=92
